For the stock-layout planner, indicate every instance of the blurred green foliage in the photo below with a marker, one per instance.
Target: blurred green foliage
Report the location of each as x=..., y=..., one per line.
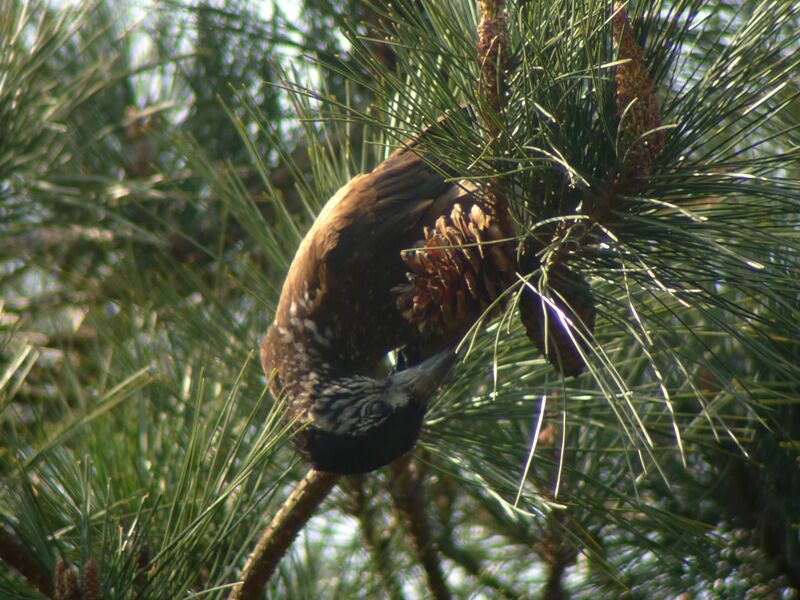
x=158, y=167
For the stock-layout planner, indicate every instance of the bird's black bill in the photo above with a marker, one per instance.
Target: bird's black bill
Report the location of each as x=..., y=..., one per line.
x=422, y=379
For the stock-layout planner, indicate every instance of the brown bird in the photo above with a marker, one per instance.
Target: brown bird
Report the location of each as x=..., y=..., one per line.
x=337, y=319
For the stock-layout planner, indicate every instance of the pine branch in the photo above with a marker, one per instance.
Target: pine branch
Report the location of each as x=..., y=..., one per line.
x=557, y=555
x=493, y=54
x=554, y=589
x=409, y=499
x=281, y=532
x=445, y=491
x=17, y=556
x=472, y=565
x=377, y=547
x=639, y=110
x=748, y=503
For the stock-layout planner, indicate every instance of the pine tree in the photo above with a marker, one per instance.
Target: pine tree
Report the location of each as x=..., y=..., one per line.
x=623, y=421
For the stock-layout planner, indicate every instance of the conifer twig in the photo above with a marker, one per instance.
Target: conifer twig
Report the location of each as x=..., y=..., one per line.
x=557, y=556
x=472, y=565
x=639, y=111
x=409, y=499
x=299, y=507
x=493, y=54
x=445, y=490
x=377, y=547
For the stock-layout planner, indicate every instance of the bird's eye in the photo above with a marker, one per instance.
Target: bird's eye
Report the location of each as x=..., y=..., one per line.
x=374, y=409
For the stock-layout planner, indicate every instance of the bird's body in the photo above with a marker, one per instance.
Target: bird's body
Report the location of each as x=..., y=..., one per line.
x=337, y=318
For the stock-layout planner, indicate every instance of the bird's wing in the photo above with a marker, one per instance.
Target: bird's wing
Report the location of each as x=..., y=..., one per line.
x=384, y=211
x=338, y=290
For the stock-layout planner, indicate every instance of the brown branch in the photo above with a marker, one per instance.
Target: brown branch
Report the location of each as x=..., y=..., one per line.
x=554, y=588
x=472, y=565
x=763, y=517
x=558, y=555
x=409, y=499
x=493, y=54
x=299, y=507
x=444, y=490
x=637, y=99
x=375, y=543
x=639, y=110
x=19, y=558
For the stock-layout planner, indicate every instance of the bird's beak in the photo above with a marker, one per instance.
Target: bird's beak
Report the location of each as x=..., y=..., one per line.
x=422, y=380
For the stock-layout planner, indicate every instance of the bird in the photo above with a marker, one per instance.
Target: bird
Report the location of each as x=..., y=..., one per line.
x=337, y=318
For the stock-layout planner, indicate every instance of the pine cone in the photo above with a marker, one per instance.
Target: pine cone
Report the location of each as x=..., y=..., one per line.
x=458, y=270
x=572, y=295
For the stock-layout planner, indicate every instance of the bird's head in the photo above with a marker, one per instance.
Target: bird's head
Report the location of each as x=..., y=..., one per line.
x=361, y=423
